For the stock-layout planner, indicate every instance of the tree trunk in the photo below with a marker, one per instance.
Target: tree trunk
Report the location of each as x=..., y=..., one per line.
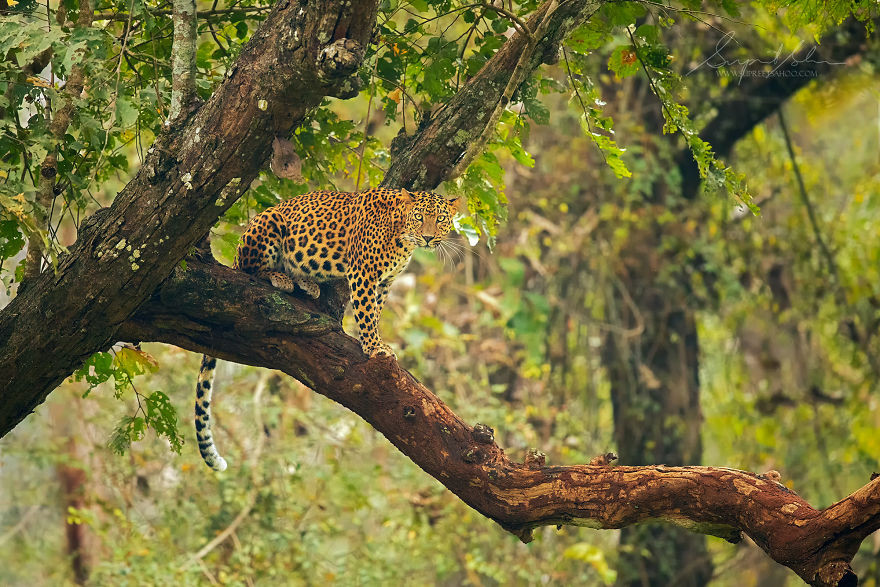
x=654, y=376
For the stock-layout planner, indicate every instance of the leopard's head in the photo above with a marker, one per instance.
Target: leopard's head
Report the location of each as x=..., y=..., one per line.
x=428, y=217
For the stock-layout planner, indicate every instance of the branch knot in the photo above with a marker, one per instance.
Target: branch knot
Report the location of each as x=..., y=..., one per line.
x=340, y=59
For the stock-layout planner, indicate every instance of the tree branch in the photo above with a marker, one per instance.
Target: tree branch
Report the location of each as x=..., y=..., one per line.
x=192, y=174
x=427, y=158
x=57, y=128
x=122, y=16
x=211, y=308
x=183, y=56
x=747, y=103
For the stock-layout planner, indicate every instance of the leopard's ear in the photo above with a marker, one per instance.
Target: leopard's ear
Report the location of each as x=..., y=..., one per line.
x=457, y=204
x=405, y=196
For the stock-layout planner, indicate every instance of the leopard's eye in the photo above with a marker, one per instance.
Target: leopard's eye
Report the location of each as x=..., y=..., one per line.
x=418, y=216
x=441, y=218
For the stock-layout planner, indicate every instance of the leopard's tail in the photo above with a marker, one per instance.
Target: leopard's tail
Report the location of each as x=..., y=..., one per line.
x=203, y=415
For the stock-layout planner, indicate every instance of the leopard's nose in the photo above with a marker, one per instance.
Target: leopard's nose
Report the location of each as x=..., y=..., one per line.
x=427, y=239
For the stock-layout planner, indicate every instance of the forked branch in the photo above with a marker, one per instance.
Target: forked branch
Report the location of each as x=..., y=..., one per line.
x=208, y=307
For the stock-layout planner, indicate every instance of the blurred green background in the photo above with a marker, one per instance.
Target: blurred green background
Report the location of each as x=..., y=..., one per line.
x=599, y=299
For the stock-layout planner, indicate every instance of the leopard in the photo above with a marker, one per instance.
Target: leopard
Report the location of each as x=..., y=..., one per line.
x=366, y=238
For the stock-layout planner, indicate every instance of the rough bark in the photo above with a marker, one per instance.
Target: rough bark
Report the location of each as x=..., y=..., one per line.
x=57, y=127
x=183, y=56
x=192, y=174
x=427, y=158
x=211, y=308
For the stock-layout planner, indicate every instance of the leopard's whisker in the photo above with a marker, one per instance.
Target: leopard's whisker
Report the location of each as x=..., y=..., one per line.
x=443, y=255
x=443, y=246
x=452, y=254
x=461, y=250
x=452, y=248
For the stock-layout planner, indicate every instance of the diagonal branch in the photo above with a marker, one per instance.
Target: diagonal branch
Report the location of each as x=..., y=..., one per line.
x=192, y=174
x=751, y=100
x=299, y=338
x=441, y=147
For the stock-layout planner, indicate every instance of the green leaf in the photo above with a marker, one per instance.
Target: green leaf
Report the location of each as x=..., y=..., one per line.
x=649, y=33
x=162, y=417
x=126, y=112
x=590, y=36
x=11, y=239
x=624, y=62
x=96, y=370
x=465, y=226
x=623, y=13
x=129, y=429
x=134, y=361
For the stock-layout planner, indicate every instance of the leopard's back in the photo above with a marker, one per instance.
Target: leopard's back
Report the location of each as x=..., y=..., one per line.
x=307, y=235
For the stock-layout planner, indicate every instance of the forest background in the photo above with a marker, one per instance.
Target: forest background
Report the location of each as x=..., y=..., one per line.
x=604, y=300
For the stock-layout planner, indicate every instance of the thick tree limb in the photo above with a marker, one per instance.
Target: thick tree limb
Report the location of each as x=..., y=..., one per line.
x=211, y=308
x=193, y=173
x=429, y=156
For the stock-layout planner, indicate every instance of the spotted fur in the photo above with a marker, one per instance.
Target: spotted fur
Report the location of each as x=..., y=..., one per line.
x=366, y=237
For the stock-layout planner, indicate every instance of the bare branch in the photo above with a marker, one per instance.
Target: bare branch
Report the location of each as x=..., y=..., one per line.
x=202, y=14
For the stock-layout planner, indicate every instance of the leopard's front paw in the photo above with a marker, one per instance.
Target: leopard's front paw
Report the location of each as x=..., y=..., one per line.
x=382, y=350
x=310, y=287
x=280, y=280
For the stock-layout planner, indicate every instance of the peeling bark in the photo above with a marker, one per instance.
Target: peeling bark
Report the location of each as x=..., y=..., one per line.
x=211, y=308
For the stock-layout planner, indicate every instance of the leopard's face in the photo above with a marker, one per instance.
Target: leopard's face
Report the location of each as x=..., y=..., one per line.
x=428, y=219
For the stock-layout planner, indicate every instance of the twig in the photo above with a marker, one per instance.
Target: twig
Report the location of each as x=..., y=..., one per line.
x=577, y=93
x=517, y=22
x=811, y=214
x=357, y=185
x=213, y=33
x=21, y=523
x=115, y=92
x=207, y=573
x=119, y=16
